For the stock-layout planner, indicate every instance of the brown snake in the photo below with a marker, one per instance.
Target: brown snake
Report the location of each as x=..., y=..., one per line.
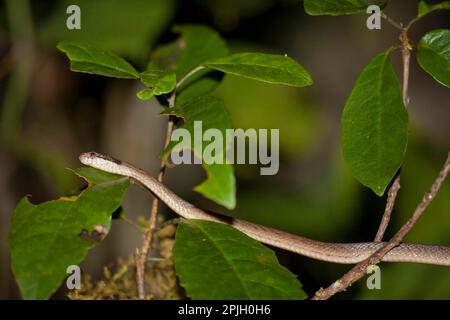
x=349, y=253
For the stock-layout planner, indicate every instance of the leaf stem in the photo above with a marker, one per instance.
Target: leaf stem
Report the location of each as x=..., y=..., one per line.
x=392, y=22
x=189, y=74
x=410, y=23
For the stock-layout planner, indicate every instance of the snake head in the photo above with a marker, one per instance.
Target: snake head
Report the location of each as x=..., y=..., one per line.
x=94, y=159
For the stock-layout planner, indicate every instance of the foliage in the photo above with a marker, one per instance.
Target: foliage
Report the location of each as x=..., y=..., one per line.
x=237, y=266
x=375, y=125
x=425, y=8
x=45, y=239
x=374, y=120
x=433, y=55
x=202, y=48
x=263, y=67
x=183, y=75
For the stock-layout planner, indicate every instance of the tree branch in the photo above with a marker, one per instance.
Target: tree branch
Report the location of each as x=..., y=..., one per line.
x=358, y=271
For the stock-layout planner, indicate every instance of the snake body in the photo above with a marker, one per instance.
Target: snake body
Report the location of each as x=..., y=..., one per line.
x=346, y=253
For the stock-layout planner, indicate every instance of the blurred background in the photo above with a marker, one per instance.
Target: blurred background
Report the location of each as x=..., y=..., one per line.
x=49, y=115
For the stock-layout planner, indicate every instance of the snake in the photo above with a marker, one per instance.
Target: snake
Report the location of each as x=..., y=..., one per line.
x=342, y=253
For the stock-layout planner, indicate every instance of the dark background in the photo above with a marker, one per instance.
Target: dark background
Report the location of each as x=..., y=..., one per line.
x=50, y=115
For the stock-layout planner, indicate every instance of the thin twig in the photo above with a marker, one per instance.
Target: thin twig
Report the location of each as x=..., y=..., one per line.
x=141, y=255
x=390, y=202
x=170, y=222
x=417, y=18
x=412, y=22
x=358, y=271
x=392, y=22
x=132, y=223
x=195, y=70
x=406, y=56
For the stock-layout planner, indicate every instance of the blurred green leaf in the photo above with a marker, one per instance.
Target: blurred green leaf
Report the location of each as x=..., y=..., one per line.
x=45, y=238
x=128, y=28
x=424, y=8
x=220, y=184
x=216, y=261
x=433, y=55
x=334, y=7
x=200, y=43
x=87, y=58
x=263, y=67
x=375, y=125
x=196, y=44
x=145, y=94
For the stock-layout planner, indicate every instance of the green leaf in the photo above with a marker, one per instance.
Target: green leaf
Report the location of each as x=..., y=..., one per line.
x=88, y=58
x=433, y=55
x=159, y=82
x=263, y=67
x=216, y=261
x=425, y=8
x=334, y=7
x=145, y=94
x=128, y=28
x=200, y=43
x=47, y=238
x=220, y=184
x=94, y=176
x=375, y=125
